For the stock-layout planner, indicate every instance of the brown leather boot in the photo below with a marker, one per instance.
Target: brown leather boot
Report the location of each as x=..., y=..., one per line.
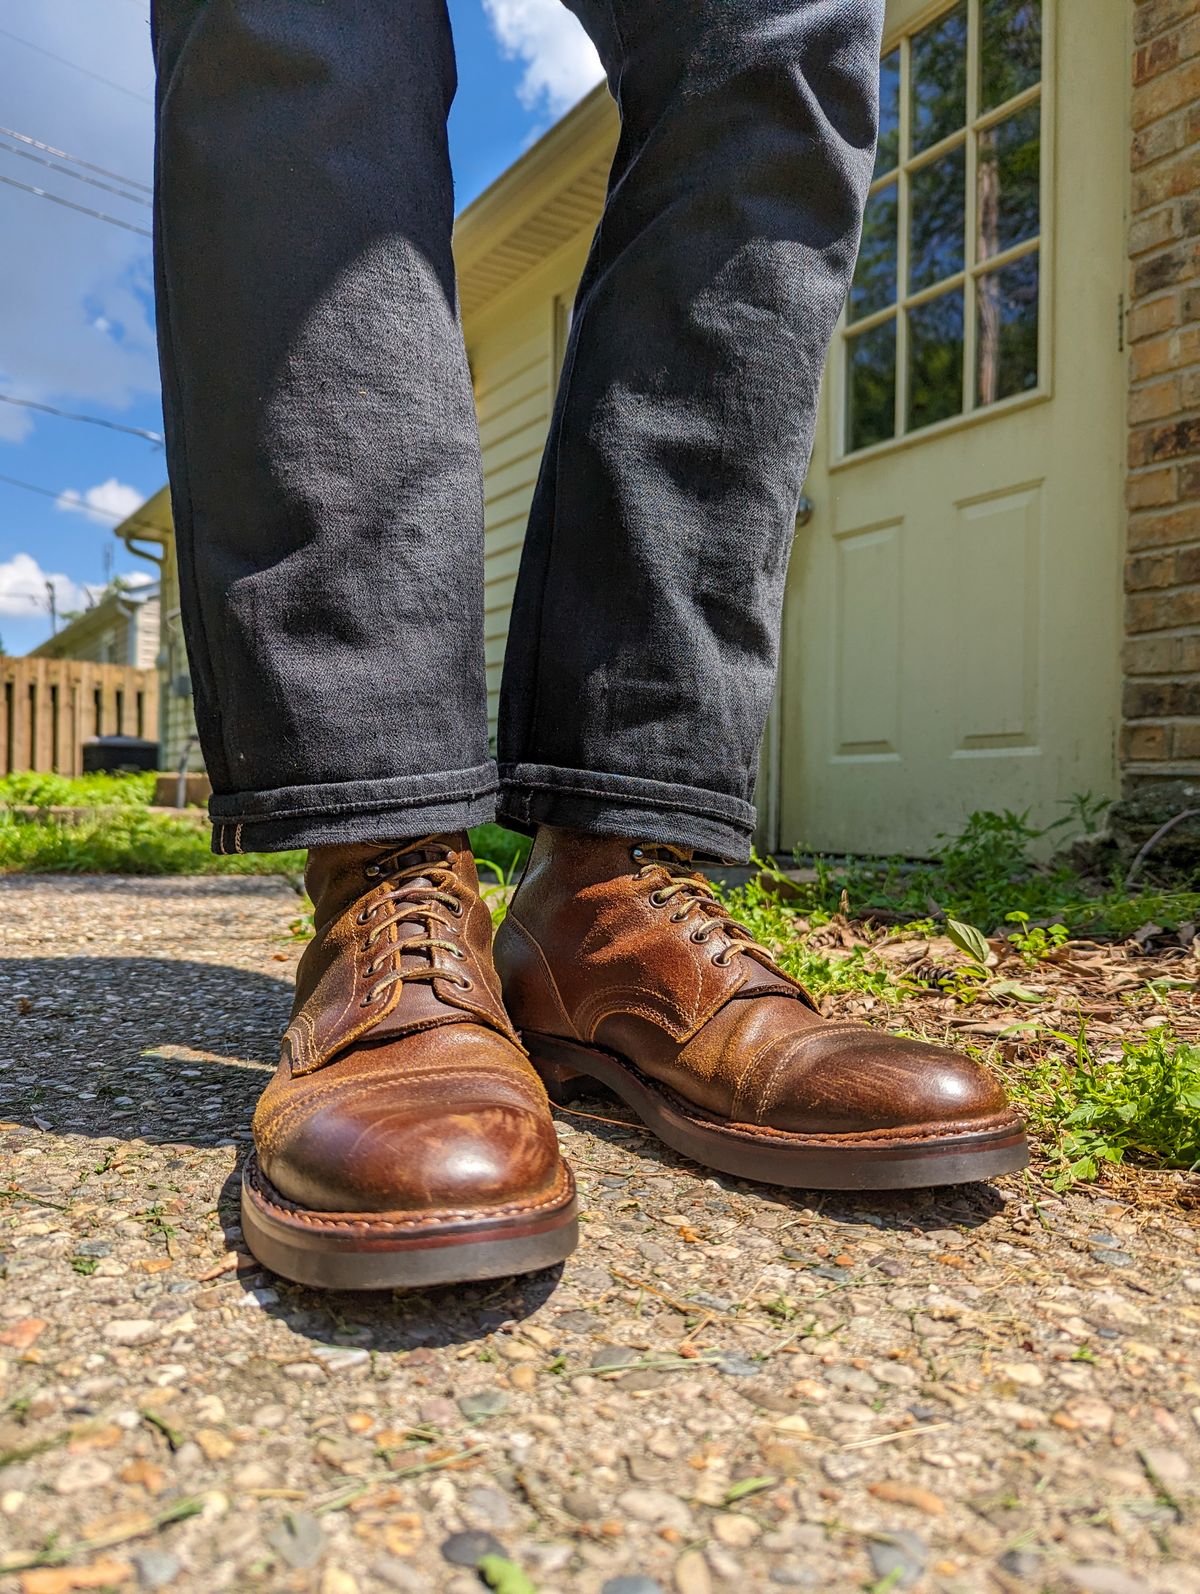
x=619, y=965
x=405, y=1139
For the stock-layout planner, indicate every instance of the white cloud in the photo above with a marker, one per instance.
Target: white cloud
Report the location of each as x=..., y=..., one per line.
x=561, y=63
x=75, y=318
x=23, y=588
x=106, y=503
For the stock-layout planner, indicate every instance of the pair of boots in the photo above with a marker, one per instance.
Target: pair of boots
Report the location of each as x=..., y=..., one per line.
x=406, y=1138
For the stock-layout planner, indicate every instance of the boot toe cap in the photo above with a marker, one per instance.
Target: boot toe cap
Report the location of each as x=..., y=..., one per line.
x=397, y=1142
x=853, y=1079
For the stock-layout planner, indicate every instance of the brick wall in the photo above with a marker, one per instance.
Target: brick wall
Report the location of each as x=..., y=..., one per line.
x=1160, y=737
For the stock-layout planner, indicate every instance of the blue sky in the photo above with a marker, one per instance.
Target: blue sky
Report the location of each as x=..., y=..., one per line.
x=76, y=312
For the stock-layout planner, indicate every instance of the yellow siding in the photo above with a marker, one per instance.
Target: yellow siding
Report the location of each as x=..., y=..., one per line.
x=513, y=350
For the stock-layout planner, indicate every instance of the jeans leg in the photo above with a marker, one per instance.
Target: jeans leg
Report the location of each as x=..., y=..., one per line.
x=645, y=630
x=322, y=445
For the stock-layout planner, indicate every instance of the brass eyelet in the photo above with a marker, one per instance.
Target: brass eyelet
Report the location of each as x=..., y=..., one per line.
x=721, y=961
x=457, y=909
x=364, y=915
x=372, y=871
x=678, y=918
x=457, y=952
x=465, y=984
x=656, y=899
x=700, y=935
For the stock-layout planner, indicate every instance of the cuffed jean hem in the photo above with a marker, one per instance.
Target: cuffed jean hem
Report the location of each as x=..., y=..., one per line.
x=343, y=812
x=625, y=805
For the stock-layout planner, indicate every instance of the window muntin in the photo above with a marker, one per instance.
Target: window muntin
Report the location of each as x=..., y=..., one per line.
x=943, y=313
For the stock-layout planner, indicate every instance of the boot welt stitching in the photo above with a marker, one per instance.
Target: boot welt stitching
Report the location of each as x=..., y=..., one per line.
x=280, y=1204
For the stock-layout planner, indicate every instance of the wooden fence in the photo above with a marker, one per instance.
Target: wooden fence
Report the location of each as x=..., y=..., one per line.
x=50, y=707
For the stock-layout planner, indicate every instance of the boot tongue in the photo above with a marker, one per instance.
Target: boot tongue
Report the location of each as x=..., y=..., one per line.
x=662, y=852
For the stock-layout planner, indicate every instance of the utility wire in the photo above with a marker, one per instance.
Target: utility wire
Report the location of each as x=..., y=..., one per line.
x=80, y=177
x=84, y=210
x=69, y=415
x=75, y=67
x=106, y=514
x=50, y=149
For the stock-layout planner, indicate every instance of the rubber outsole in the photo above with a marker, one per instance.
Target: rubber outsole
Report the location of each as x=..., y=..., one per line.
x=387, y=1251
x=885, y=1161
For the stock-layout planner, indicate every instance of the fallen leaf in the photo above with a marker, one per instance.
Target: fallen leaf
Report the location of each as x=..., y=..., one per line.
x=909, y=1494
x=23, y=1333
x=62, y=1579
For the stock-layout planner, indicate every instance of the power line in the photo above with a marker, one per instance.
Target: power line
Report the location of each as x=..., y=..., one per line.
x=75, y=67
x=50, y=149
x=106, y=514
x=91, y=420
x=80, y=177
x=84, y=210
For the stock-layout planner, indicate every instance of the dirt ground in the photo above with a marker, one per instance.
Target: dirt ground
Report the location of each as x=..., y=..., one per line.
x=989, y=1388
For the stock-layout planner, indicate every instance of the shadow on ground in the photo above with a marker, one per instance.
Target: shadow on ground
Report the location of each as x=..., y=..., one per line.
x=174, y=1053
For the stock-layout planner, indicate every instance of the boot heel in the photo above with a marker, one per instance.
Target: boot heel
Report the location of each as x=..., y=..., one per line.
x=563, y=1085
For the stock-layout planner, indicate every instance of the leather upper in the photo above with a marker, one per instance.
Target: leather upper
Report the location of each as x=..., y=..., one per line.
x=618, y=946
x=402, y=1085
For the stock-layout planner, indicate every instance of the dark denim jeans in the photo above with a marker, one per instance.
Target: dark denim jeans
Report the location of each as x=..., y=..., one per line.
x=322, y=444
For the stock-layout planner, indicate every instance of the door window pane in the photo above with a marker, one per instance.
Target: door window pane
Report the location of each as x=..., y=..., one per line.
x=888, y=152
x=871, y=386
x=1010, y=49
x=935, y=360
x=1009, y=174
x=874, y=284
x=939, y=78
x=937, y=199
x=1007, y=335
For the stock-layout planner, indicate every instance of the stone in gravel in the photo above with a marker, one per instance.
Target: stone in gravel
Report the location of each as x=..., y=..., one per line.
x=1098, y=1578
x=656, y=1507
x=482, y=1404
x=1020, y=1563
x=335, y=1581
x=739, y=1532
x=493, y=1508
x=1168, y=1465
x=1024, y=1373
x=81, y=1473
x=691, y=1574
x=738, y=1367
x=840, y=1467
x=398, y=1575
x=637, y=1584
x=156, y=1568
x=298, y=1540
x=581, y=1504
x=437, y=1410
x=612, y=1356
x=131, y=1330
x=468, y=1549
x=901, y=1556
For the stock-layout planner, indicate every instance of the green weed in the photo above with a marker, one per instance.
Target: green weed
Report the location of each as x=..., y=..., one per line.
x=1142, y=1107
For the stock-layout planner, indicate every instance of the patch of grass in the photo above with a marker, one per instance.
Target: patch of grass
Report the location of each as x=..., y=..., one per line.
x=125, y=840
x=76, y=791
x=985, y=875
x=1142, y=1107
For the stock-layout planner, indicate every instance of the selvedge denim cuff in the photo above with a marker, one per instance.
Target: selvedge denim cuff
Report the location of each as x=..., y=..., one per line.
x=626, y=805
x=339, y=812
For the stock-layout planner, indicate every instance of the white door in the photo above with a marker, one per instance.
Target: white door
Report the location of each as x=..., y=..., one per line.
x=952, y=630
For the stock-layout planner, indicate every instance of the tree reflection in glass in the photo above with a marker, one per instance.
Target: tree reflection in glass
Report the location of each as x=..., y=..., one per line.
x=1009, y=173
x=1010, y=50
x=874, y=285
x=937, y=202
x=871, y=386
x=1007, y=330
x=935, y=359
x=939, y=78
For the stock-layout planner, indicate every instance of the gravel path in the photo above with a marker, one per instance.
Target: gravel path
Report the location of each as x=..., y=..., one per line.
x=728, y=1387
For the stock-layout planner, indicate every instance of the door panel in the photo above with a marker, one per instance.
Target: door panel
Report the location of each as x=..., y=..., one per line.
x=952, y=627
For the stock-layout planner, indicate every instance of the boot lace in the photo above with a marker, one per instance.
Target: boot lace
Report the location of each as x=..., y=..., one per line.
x=695, y=899
x=419, y=889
